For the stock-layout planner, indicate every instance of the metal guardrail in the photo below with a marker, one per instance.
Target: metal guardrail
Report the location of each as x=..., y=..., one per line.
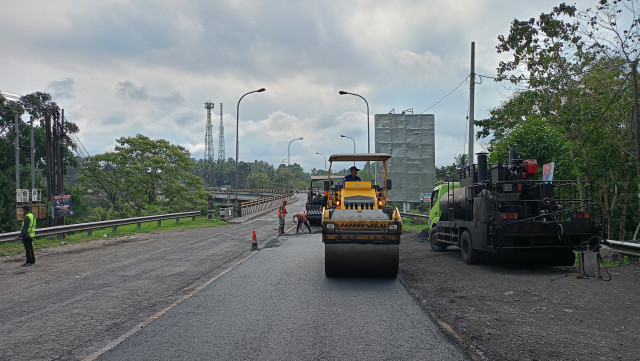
x=265, y=203
x=89, y=227
x=414, y=215
x=624, y=247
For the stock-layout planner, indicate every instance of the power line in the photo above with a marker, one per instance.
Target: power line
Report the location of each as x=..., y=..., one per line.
x=569, y=74
x=443, y=98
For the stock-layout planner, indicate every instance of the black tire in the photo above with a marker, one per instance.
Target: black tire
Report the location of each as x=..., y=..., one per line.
x=435, y=245
x=469, y=255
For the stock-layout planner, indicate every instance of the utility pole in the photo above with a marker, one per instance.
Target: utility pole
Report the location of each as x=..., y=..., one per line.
x=60, y=157
x=32, y=158
x=472, y=87
x=50, y=188
x=17, y=129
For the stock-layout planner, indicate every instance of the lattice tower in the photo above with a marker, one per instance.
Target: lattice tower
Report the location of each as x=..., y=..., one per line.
x=208, y=136
x=221, y=138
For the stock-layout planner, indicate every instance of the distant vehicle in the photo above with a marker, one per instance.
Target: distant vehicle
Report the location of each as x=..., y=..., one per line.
x=501, y=210
x=361, y=234
x=316, y=199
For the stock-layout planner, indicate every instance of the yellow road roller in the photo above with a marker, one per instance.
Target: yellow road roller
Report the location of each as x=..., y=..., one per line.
x=361, y=234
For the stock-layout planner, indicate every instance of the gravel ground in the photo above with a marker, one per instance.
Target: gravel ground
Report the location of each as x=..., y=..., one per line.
x=516, y=312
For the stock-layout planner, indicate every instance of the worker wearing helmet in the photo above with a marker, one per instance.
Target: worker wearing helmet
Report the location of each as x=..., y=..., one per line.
x=300, y=219
x=282, y=212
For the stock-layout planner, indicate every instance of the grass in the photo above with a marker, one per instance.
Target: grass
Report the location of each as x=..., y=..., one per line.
x=40, y=243
x=414, y=224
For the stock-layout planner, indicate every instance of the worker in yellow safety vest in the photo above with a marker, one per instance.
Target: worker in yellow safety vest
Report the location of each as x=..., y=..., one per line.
x=27, y=234
x=282, y=212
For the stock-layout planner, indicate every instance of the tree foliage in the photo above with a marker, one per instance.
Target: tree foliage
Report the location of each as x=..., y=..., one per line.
x=38, y=106
x=578, y=69
x=144, y=176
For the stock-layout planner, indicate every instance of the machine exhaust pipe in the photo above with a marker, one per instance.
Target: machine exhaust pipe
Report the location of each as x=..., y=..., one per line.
x=482, y=166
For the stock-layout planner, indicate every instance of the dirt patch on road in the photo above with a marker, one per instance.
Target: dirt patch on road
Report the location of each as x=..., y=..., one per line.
x=516, y=312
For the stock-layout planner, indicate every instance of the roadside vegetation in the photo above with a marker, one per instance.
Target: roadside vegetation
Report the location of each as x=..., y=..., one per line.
x=40, y=243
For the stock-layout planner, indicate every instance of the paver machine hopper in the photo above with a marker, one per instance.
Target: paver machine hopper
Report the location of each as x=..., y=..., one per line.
x=361, y=234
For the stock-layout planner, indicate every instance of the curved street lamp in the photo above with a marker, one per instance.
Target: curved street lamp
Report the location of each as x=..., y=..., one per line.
x=284, y=190
x=354, y=145
x=325, y=161
x=342, y=92
x=237, y=142
x=289, y=151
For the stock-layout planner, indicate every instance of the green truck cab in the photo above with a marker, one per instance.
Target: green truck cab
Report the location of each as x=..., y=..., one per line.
x=438, y=192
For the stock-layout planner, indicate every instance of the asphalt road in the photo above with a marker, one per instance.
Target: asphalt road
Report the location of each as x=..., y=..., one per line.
x=278, y=305
x=202, y=294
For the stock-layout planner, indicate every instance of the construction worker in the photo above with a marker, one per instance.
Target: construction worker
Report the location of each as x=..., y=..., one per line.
x=300, y=219
x=27, y=234
x=282, y=212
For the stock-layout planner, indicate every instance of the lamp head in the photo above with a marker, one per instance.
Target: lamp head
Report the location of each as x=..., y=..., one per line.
x=342, y=92
x=260, y=90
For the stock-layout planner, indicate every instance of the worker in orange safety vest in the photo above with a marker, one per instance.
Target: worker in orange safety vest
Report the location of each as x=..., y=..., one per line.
x=282, y=212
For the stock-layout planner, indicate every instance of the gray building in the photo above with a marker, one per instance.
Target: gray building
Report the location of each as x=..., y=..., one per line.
x=410, y=140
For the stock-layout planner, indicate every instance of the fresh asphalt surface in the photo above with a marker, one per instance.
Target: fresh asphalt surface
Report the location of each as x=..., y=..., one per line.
x=278, y=305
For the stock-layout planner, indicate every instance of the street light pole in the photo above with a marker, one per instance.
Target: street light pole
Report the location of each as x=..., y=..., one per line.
x=354, y=142
x=342, y=92
x=237, y=142
x=325, y=161
x=284, y=190
x=289, y=151
x=354, y=145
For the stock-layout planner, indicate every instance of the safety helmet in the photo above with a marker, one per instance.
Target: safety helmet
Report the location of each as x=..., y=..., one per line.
x=284, y=202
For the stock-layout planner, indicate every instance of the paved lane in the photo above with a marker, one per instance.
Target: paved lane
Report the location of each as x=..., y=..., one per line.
x=278, y=305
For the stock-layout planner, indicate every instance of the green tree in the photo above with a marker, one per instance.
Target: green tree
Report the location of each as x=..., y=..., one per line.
x=145, y=176
x=577, y=77
x=535, y=139
x=38, y=106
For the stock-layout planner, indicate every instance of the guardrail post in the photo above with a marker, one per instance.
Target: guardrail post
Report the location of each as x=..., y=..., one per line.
x=115, y=229
x=159, y=223
x=139, y=225
x=90, y=232
x=177, y=220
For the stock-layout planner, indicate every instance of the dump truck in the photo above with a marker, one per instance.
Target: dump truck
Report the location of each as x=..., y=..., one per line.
x=360, y=232
x=501, y=209
x=316, y=199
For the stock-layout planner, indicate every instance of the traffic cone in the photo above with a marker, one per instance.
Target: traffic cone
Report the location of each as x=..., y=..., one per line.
x=254, y=241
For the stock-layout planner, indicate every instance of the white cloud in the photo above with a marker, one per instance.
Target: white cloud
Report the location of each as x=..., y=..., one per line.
x=120, y=68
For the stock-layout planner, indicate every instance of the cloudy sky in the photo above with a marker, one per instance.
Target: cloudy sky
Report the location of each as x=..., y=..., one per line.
x=120, y=68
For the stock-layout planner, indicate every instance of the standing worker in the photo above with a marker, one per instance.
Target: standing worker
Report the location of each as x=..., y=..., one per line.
x=282, y=212
x=27, y=234
x=300, y=219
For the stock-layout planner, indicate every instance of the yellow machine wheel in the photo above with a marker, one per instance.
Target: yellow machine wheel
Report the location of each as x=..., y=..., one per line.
x=364, y=260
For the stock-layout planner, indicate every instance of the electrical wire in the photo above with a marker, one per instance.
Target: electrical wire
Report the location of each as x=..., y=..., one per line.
x=444, y=97
x=569, y=74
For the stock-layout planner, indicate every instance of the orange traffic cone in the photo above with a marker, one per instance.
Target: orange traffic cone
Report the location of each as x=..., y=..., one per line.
x=254, y=242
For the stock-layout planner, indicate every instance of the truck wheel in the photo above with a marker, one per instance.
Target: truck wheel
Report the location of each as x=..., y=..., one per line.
x=469, y=255
x=435, y=245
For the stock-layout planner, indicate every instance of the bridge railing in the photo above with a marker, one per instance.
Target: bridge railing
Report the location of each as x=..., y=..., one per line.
x=89, y=227
x=262, y=204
